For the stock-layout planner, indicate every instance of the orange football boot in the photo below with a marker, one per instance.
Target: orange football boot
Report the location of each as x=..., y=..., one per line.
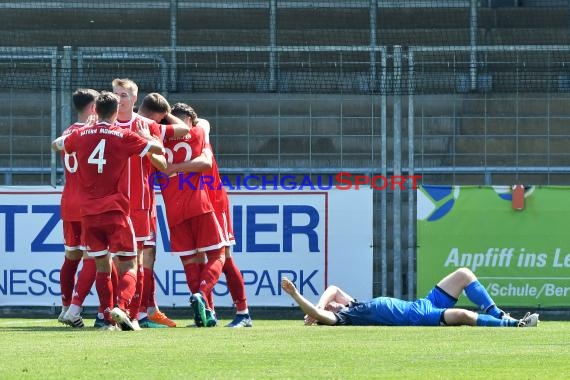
x=161, y=318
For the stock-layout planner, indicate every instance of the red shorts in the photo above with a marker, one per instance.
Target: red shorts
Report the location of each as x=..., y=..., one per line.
x=151, y=242
x=225, y=223
x=111, y=232
x=141, y=224
x=198, y=234
x=72, y=236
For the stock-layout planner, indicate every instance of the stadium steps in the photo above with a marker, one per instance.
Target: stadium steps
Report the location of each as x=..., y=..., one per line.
x=230, y=37
x=24, y=103
x=524, y=36
x=85, y=37
x=523, y=17
x=25, y=127
x=230, y=27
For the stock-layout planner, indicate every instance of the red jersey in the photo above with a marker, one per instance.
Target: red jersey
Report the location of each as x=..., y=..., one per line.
x=216, y=192
x=70, y=197
x=185, y=196
x=102, y=151
x=140, y=167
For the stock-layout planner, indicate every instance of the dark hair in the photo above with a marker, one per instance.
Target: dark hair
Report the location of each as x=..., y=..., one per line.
x=106, y=104
x=181, y=110
x=82, y=97
x=154, y=102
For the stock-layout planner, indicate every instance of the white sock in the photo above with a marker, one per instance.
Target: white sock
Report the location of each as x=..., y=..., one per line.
x=244, y=311
x=74, y=310
x=151, y=310
x=141, y=315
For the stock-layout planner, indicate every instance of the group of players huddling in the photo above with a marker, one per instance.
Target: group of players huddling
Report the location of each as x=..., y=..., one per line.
x=108, y=210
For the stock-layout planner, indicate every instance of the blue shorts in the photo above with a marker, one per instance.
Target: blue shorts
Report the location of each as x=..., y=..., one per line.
x=429, y=311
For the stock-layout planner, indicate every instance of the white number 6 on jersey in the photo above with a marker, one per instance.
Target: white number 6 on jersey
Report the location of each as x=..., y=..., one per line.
x=66, y=159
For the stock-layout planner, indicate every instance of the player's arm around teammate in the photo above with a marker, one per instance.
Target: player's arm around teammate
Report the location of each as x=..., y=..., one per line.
x=154, y=109
x=157, y=160
x=140, y=193
x=206, y=165
x=102, y=151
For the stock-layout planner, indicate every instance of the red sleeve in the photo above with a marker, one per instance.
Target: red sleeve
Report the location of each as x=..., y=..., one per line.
x=200, y=137
x=168, y=131
x=69, y=142
x=163, y=131
x=155, y=129
x=134, y=144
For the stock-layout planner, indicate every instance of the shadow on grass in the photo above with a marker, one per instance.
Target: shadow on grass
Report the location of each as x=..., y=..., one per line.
x=260, y=312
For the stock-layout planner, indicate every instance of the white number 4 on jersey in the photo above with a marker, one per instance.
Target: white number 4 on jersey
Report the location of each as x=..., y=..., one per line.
x=96, y=157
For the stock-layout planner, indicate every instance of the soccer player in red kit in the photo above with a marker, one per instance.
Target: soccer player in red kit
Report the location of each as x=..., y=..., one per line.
x=194, y=229
x=220, y=202
x=156, y=108
x=102, y=151
x=138, y=173
x=84, y=104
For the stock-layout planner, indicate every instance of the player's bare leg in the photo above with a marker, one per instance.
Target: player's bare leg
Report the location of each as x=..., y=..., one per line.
x=463, y=279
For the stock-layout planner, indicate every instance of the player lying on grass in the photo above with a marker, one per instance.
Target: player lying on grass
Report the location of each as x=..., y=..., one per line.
x=336, y=307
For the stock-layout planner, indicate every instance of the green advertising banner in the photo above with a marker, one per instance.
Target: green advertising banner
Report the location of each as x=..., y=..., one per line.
x=522, y=257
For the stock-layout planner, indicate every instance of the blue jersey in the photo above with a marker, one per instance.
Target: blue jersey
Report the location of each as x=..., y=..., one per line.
x=383, y=311
x=386, y=311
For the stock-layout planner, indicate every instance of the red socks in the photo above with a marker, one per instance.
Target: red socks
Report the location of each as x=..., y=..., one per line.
x=235, y=284
x=211, y=273
x=115, y=281
x=85, y=281
x=202, y=277
x=136, y=300
x=148, y=281
x=151, y=301
x=126, y=289
x=105, y=293
x=67, y=279
x=192, y=272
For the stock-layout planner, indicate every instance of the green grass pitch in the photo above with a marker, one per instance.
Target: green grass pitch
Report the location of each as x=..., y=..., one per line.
x=43, y=349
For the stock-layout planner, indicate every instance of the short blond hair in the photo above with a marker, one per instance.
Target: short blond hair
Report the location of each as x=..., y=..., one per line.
x=127, y=84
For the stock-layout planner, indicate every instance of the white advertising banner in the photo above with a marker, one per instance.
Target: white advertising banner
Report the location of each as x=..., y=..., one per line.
x=315, y=238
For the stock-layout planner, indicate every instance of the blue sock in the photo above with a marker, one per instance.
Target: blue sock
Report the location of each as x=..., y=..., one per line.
x=490, y=321
x=479, y=296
